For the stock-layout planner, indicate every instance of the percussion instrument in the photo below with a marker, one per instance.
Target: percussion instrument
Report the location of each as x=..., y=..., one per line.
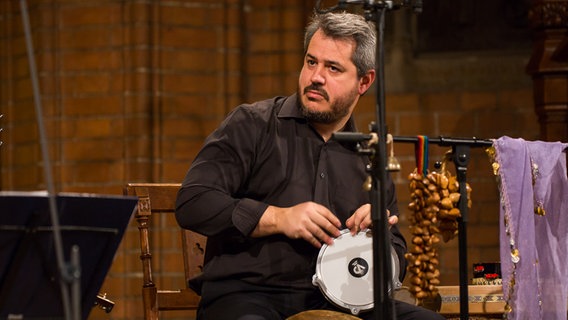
x=344, y=271
x=322, y=315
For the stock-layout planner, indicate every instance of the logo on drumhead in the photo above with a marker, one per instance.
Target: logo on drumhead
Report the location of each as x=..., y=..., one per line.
x=358, y=267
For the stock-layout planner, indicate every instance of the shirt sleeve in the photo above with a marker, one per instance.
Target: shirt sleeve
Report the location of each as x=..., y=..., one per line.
x=208, y=200
x=397, y=239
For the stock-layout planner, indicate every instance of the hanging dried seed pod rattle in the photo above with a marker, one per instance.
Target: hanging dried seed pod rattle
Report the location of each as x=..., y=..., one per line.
x=423, y=256
x=448, y=190
x=434, y=203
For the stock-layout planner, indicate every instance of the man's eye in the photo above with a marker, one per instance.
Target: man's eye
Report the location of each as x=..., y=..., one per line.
x=311, y=62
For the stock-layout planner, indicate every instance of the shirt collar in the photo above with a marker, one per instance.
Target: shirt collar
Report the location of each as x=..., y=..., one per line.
x=291, y=108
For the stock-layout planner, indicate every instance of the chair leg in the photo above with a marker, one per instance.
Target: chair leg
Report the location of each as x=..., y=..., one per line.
x=149, y=297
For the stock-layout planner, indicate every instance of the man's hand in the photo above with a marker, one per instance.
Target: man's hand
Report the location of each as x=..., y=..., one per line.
x=309, y=221
x=361, y=219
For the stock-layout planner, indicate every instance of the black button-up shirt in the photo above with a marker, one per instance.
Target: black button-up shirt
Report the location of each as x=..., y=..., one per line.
x=267, y=154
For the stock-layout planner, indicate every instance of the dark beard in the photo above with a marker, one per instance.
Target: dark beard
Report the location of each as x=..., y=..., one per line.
x=339, y=109
x=325, y=117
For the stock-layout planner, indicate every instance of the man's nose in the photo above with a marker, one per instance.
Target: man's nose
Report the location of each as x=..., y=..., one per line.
x=317, y=76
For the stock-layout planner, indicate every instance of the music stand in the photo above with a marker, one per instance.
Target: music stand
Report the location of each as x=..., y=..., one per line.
x=29, y=276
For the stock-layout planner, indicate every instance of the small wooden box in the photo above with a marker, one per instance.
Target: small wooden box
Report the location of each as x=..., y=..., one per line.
x=483, y=300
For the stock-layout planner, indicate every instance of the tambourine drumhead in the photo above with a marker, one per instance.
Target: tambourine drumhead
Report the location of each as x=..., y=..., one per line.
x=344, y=271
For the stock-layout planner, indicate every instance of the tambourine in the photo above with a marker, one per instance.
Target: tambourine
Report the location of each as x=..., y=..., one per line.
x=344, y=271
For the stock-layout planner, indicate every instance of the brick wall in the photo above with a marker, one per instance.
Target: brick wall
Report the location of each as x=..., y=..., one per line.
x=131, y=88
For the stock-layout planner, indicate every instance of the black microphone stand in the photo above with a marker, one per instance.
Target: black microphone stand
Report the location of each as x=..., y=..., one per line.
x=69, y=273
x=384, y=304
x=382, y=277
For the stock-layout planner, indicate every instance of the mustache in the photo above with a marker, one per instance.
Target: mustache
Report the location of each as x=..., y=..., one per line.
x=317, y=88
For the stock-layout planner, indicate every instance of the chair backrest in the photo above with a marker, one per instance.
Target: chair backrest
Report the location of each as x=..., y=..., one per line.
x=159, y=198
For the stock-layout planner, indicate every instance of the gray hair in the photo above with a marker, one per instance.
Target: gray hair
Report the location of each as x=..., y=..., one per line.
x=347, y=26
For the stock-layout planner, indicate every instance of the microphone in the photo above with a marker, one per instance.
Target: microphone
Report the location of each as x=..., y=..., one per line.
x=351, y=137
x=417, y=6
x=344, y=2
x=319, y=10
x=341, y=4
x=353, y=140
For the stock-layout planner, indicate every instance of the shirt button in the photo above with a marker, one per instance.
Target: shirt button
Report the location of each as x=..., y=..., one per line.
x=322, y=175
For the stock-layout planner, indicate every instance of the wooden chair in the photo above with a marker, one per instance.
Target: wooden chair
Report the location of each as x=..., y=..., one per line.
x=159, y=198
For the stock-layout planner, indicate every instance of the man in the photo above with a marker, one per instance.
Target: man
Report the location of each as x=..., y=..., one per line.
x=270, y=186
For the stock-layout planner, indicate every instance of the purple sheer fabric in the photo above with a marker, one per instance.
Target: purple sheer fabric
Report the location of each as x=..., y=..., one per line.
x=533, y=227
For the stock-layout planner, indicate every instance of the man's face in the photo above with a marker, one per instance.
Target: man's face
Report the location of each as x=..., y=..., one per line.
x=328, y=86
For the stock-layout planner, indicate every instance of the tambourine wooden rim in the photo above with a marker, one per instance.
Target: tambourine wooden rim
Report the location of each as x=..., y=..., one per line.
x=344, y=271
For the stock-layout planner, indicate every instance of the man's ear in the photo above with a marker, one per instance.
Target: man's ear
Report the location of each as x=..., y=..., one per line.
x=367, y=81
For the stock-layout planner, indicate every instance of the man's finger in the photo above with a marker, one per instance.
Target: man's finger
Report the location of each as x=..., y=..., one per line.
x=393, y=220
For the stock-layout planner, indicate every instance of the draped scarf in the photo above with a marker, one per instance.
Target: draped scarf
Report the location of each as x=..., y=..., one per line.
x=533, y=188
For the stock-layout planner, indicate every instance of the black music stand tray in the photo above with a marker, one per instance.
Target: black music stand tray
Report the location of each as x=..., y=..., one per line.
x=29, y=276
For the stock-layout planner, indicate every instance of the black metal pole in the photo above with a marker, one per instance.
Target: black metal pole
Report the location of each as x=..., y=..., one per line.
x=384, y=305
x=461, y=160
x=447, y=141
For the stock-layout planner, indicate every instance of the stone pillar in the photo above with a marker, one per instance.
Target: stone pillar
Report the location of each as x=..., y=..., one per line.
x=548, y=67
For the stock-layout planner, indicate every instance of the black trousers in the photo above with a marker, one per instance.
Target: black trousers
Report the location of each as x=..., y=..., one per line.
x=278, y=304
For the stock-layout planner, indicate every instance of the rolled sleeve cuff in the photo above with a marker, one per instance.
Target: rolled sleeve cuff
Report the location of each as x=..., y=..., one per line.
x=246, y=215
